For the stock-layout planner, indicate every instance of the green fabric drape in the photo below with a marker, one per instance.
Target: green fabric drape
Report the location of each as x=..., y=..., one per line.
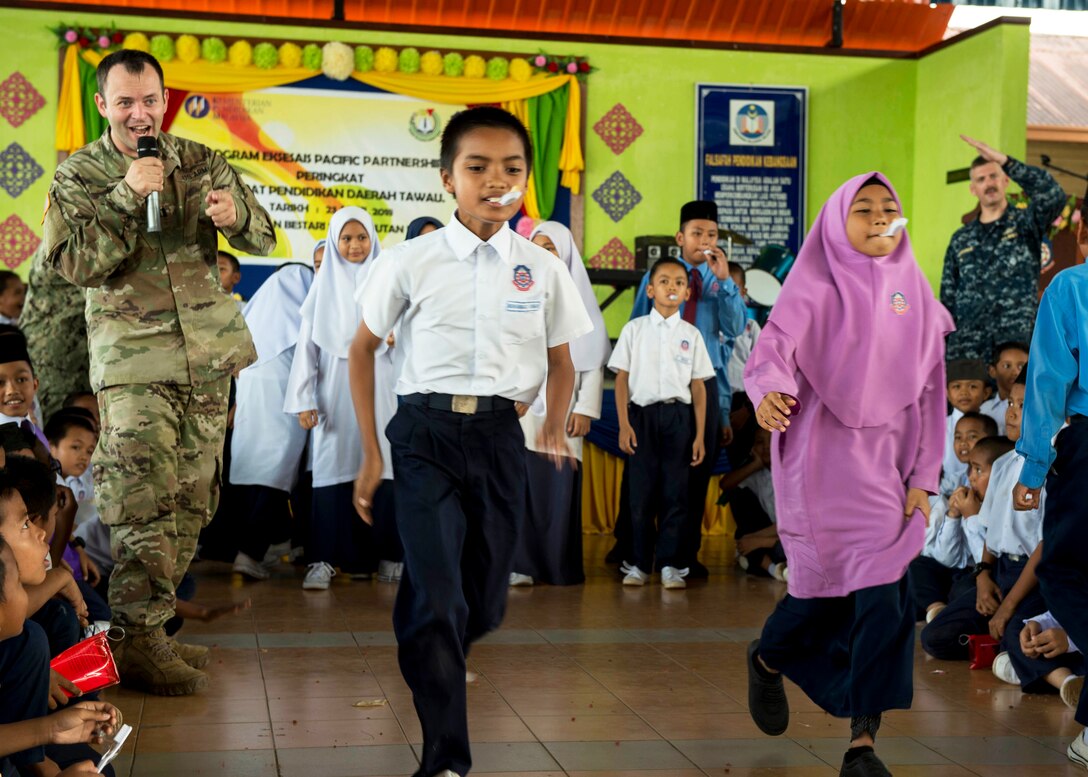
x=94, y=124
x=547, y=118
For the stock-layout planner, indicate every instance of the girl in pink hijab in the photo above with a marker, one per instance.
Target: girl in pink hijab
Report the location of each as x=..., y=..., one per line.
x=848, y=375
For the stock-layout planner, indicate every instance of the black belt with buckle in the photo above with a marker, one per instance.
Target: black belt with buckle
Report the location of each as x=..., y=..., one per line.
x=465, y=404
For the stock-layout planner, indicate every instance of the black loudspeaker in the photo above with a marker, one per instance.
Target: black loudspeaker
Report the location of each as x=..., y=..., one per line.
x=650, y=248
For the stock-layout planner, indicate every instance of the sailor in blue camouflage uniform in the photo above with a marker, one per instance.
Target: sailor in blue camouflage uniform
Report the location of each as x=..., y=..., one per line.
x=990, y=283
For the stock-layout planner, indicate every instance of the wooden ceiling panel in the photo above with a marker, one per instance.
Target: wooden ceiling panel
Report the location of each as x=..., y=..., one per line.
x=869, y=25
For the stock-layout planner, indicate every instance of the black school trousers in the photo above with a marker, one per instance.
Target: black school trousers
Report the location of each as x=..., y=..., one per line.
x=459, y=482
x=1063, y=569
x=660, y=471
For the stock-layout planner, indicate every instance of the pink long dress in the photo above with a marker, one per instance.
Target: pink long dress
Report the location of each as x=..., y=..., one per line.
x=840, y=491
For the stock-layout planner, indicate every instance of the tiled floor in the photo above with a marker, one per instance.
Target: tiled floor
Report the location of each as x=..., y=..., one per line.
x=589, y=681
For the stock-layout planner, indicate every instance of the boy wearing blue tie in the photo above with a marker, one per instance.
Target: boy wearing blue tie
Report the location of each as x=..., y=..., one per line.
x=484, y=316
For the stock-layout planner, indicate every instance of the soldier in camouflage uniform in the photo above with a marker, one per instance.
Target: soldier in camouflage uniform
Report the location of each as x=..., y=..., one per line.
x=990, y=283
x=164, y=340
x=56, y=335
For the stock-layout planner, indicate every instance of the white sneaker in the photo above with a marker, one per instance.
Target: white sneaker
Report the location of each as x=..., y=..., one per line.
x=318, y=577
x=471, y=677
x=779, y=572
x=390, y=571
x=671, y=577
x=1003, y=670
x=275, y=554
x=1071, y=690
x=518, y=580
x=934, y=611
x=742, y=562
x=634, y=575
x=1078, y=749
x=244, y=565
x=448, y=773
x=97, y=627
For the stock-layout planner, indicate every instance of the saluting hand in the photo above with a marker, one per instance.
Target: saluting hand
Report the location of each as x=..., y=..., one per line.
x=221, y=208
x=986, y=152
x=145, y=175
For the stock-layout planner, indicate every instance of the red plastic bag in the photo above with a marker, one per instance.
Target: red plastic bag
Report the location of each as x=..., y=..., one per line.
x=982, y=649
x=89, y=664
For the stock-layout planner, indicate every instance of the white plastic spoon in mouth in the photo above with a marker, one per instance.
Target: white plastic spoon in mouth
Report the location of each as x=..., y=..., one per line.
x=509, y=198
x=896, y=226
x=674, y=297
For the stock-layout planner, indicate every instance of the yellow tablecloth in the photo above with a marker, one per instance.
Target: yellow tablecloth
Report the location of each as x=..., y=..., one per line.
x=602, y=474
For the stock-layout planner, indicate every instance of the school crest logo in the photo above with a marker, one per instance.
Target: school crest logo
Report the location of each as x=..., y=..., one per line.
x=425, y=125
x=523, y=278
x=899, y=304
x=752, y=122
x=685, y=346
x=197, y=106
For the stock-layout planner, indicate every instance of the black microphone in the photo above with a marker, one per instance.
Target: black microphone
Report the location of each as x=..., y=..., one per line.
x=148, y=146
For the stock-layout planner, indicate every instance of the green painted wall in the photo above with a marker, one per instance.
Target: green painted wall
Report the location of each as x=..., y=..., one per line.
x=899, y=116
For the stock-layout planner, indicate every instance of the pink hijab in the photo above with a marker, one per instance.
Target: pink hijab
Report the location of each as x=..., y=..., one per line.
x=869, y=331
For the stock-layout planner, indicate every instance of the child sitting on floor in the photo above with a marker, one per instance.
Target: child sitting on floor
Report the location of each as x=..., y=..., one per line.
x=749, y=492
x=1008, y=361
x=967, y=390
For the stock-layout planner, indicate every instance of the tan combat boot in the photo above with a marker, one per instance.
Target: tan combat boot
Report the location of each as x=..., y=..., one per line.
x=195, y=656
x=147, y=662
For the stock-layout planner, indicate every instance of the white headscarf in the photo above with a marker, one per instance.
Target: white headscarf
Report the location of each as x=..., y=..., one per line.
x=330, y=306
x=313, y=256
x=274, y=313
x=590, y=351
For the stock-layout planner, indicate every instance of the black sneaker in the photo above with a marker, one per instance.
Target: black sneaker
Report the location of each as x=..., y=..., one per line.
x=864, y=765
x=767, y=702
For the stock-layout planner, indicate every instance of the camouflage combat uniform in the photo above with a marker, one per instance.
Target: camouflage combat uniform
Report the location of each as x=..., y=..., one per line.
x=991, y=271
x=164, y=340
x=56, y=335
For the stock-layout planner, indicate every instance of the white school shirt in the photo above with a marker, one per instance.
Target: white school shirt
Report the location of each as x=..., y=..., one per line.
x=662, y=356
x=995, y=407
x=475, y=317
x=742, y=349
x=5, y=320
x=761, y=483
x=1010, y=532
x=83, y=490
x=946, y=541
x=1048, y=621
x=952, y=469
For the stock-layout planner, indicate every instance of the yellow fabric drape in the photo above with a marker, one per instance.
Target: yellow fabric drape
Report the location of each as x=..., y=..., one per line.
x=70, y=131
x=602, y=474
x=520, y=108
x=207, y=77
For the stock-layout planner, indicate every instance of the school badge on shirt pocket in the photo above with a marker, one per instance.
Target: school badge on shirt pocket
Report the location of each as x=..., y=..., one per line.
x=684, y=357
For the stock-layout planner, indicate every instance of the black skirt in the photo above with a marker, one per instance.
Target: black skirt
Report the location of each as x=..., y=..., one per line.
x=550, y=545
x=852, y=655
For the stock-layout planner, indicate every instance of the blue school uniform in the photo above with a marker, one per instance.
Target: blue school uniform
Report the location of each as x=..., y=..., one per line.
x=1057, y=388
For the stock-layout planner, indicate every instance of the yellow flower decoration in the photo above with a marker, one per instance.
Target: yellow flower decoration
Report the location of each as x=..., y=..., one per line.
x=188, y=49
x=475, y=66
x=431, y=63
x=290, y=55
x=520, y=69
x=240, y=54
x=386, y=60
x=137, y=41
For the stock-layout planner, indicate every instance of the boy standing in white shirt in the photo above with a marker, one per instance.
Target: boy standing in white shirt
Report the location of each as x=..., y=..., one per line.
x=660, y=363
